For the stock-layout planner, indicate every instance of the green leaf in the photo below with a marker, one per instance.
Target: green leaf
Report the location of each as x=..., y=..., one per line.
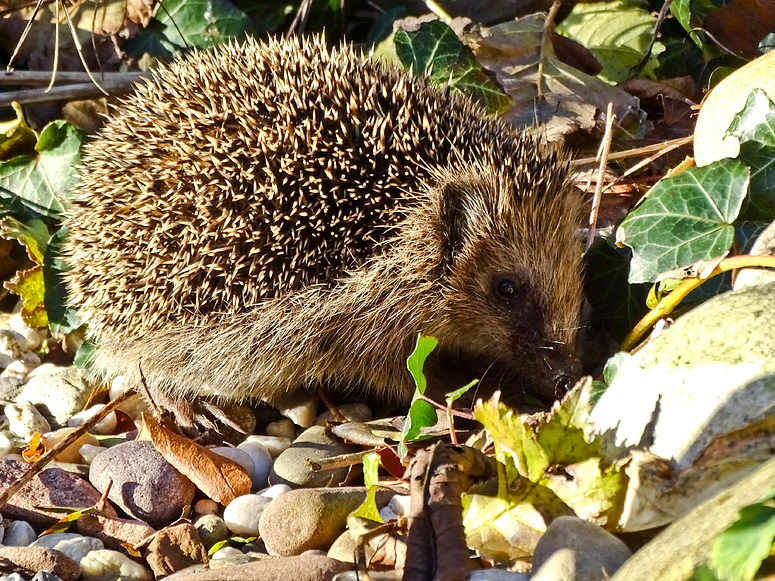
x=617, y=33
x=15, y=135
x=754, y=127
x=421, y=413
x=29, y=286
x=61, y=318
x=738, y=552
x=434, y=49
x=690, y=14
x=85, y=354
x=614, y=365
x=43, y=182
x=267, y=15
x=616, y=304
x=200, y=23
x=371, y=469
x=33, y=236
x=686, y=218
x=368, y=510
x=453, y=396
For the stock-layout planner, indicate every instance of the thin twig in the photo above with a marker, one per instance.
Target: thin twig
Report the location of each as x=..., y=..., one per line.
x=35, y=78
x=79, y=50
x=23, y=37
x=62, y=93
x=638, y=151
x=545, y=42
x=43, y=461
x=605, y=147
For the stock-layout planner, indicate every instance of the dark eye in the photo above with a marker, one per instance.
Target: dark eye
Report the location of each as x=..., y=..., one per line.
x=508, y=287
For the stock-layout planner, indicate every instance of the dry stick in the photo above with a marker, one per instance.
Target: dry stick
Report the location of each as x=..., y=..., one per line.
x=648, y=160
x=67, y=77
x=331, y=406
x=55, y=66
x=605, y=147
x=23, y=37
x=667, y=304
x=43, y=461
x=62, y=93
x=78, y=49
x=645, y=150
x=545, y=40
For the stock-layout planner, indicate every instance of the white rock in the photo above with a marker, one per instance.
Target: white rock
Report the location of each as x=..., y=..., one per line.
x=301, y=408
x=5, y=444
x=74, y=546
x=241, y=457
x=19, y=534
x=282, y=429
x=244, y=512
x=355, y=412
x=400, y=504
x=226, y=552
x=135, y=406
x=274, y=491
x=275, y=445
x=104, y=427
x=12, y=347
x=89, y=452
x=32, y=338
x=63, y=390
x=107, y=565
x=24, y=420
x=20, y=369
x=262, y=461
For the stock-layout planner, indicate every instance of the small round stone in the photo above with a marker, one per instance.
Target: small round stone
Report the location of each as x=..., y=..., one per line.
x=19, y=534
x=244, y=512
x=241, y=457
x=262, y=461
x=212, y=529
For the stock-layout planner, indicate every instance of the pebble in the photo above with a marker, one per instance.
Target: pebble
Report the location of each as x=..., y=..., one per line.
x=135, y=406
x=19, y=534
x=228, y=553
x=275, y=445
x=74, y=546
x=14, y=355
x=10, y=387
x=243, y=514
x=145, y=485
x=262, y=461
x=241, y=457
x=108, y=565
x=212, y=529
x=175, y=548
x=299, y=407
x=52, y=487
x=307, y=518
x=72, y=452
x=282, y=429
x=398, y=506
x=30, y=560
x=292, y=466
x=104, y=427
x=573, y=549
x=64, y=391
x=301, y=568
x=5, y=444
x=498, y=575
x=88, y=452
x=24, y=420
x=275, y=490
x=32, y=339
x=354, y=412
x=207, y=506
x=114, y=532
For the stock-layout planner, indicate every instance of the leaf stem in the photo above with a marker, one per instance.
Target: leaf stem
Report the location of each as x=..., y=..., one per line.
x=671, y=301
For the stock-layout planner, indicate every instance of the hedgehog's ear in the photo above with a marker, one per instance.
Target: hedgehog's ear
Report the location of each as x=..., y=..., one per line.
x=453, y=222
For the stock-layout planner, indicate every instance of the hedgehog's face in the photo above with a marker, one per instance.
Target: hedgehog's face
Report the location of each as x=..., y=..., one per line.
x=512, y=281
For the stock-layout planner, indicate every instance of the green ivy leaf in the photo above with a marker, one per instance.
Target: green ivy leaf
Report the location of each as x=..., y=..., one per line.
x=738, y=552
x=617, y=33
x=434, y=49
x=43, y=182
x=15, y=135
x=754, y=127
x=61, y=318
x=200, y=23
x=685, y=219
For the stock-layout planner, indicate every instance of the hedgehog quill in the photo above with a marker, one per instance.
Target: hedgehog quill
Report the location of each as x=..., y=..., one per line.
x=269, y=217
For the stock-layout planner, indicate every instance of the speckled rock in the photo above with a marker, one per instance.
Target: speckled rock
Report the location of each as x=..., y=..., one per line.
x=30, y=560
x=212, y=529
x=64, y=391
x=292, y=466
x=573, y=549
x=308, y=518
x=52, y=487
x=24, y=420
x=175, y=548
x=74, y=546
x=145, y=485
x=107, y=565
x=302, y=568
x=114, y=531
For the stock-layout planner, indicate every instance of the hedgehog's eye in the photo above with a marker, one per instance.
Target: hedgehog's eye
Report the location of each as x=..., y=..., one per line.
x=508, y=287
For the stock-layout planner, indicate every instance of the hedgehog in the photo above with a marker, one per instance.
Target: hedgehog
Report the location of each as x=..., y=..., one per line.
x=275, y=216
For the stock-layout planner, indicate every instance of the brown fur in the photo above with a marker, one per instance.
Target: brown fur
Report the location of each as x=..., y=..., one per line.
x=194, y=254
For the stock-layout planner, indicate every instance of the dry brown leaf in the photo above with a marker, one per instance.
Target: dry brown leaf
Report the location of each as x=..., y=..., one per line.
x=219, y=478
x=36, y=447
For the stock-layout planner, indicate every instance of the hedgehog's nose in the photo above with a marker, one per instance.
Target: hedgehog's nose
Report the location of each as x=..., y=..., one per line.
x=563, y=382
